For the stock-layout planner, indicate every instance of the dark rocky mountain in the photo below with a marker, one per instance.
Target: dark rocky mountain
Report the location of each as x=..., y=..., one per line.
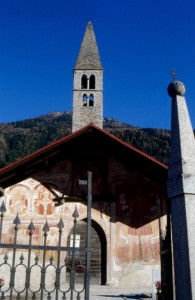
x=20, y=138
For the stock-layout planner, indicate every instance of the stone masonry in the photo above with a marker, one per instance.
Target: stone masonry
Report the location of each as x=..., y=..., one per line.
x=181, y=192
x=88, y=64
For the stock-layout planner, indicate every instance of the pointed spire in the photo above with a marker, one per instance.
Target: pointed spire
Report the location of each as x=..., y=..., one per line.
x=182, y=156
x=88, y=57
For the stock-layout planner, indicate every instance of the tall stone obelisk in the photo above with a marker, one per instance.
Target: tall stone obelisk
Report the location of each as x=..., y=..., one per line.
x=181, y=193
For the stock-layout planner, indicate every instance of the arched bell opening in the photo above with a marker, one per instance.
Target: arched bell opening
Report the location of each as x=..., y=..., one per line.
x=92, y=82
x=84, y=82
x=91, y=100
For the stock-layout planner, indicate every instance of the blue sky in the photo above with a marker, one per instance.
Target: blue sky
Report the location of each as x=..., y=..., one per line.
x=139, y=43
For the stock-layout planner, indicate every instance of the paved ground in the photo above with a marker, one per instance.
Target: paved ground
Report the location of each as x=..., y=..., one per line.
x=103, y=293
x=108, y=293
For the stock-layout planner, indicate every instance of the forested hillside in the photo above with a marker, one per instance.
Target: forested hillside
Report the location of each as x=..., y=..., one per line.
x=20, y=138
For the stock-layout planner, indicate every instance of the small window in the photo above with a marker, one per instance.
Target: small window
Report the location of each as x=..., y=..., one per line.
x=84, y=82
x=84, y=100
x=91, y=100
x=75, y=242
x=92, y=82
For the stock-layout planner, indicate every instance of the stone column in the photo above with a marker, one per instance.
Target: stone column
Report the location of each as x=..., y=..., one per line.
x=181, y=193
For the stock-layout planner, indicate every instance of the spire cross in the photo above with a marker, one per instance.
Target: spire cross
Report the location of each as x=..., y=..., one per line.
x=173, y=74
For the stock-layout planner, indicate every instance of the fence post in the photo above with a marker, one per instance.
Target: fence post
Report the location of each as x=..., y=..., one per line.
x=88, y=242
x=2, y=210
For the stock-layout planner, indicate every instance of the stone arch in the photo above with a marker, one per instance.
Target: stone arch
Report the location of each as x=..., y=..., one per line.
x=98, y=249
x=92, y=82
x=91, y=100
x=85, y=99
x=84, y=82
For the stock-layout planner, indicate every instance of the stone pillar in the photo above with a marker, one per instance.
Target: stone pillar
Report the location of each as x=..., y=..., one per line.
x=181, y=193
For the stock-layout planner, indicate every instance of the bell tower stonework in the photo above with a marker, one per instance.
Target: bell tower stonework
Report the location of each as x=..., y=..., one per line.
x=88, y=84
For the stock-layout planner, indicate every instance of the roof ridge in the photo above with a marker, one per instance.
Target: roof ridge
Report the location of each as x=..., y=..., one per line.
x=53, y=145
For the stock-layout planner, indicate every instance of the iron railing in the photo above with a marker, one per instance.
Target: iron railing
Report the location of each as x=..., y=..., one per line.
x=37, y=278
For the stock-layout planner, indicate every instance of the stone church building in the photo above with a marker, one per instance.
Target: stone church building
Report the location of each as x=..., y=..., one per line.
x=129, y=197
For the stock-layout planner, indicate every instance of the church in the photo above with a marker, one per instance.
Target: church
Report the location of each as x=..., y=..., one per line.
x=129, y=192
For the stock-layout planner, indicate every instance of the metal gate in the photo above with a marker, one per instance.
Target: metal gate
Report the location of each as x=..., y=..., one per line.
x=70, y=279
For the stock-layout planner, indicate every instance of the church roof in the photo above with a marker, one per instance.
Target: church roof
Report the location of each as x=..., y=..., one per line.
x=88, y=58
x=89, y=139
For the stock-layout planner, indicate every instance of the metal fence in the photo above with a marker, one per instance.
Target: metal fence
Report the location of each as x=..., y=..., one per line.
x=34, y=277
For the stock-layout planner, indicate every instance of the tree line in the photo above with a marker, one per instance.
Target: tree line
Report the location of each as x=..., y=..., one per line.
x=21, y=138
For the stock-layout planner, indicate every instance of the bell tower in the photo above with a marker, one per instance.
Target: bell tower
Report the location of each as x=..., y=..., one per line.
x=88, y=84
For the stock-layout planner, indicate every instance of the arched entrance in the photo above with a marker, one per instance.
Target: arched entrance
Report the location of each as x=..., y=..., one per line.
x=98, y=269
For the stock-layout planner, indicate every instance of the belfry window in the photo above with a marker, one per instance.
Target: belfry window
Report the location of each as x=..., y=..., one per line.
x=84, y=100
x=91, y=100
x=84, y=82
x=92, y=82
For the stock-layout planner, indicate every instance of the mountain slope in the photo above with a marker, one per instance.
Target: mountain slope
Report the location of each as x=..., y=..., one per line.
x=20, y=138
